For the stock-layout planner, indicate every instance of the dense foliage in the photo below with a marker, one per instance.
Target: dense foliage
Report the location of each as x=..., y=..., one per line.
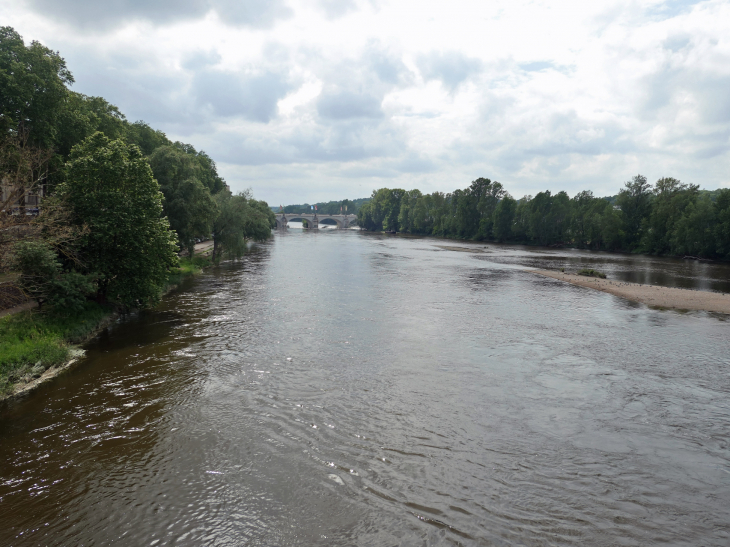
x=346, y=206
x=670, y=217
x=120, y=198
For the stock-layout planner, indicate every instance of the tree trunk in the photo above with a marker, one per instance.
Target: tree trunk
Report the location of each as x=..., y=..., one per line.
x=215, y=249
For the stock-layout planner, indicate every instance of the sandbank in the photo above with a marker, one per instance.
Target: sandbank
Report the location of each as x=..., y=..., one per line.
x=651, y=295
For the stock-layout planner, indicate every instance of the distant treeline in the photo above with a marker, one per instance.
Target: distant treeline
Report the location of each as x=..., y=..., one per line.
x=670, y=217
x=119, y=199
x=347, y=206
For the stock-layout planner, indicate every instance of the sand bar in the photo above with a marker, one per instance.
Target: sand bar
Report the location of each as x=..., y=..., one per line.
x=460, y=249
x=651, y=295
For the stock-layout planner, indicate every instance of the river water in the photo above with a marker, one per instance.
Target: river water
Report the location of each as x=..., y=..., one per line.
x=339, y=388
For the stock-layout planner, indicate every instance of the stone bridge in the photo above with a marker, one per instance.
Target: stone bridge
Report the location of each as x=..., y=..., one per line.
x=343, y=221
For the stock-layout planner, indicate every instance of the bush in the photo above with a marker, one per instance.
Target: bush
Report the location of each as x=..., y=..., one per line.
x=589, y=272
x=70, y=291
x=38, y=266
x=41, y=277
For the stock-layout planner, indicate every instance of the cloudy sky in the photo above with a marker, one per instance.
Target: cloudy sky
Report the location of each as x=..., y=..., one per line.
x=310, y=100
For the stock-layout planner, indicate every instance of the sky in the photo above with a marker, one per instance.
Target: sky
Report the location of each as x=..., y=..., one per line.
x=318, y=100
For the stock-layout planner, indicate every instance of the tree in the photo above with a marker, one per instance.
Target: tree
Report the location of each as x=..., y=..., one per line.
x=671, y=198
x=145, y=137
x=406, y=216
x=188, y=203
x=504, y=215
x=42, y=278
x=33, y=82
x=548, y=217
x=81, y=116
x=129, y=245
x=635, y=203
x=582, y=206
x=38, y=266
x=382, y=211
x=694, y=232
x=208, y=173
x=239, y=218
x=722, y=227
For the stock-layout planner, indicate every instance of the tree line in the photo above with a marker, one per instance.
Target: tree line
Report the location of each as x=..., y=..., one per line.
x=669, y=217
x=120, y=199
x=346, y=206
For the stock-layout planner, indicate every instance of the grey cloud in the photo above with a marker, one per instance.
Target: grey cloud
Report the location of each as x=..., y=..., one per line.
x=677, y=42
x=337, y=8
x=251, y=97
x=452, y=68
x=338, y=141
x=342, y=105
x=252, y=13
x=389, y=68
x=709, y=90
x=670, y=8
x=201, y=59
x=415, y=163
x=536, y=66
x=100, y=15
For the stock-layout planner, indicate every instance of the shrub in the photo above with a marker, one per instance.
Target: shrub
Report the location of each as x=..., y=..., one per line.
x=38, y=266
x=589, y=272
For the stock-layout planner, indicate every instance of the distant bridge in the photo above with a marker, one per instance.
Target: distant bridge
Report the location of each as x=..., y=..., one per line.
x=343, y=221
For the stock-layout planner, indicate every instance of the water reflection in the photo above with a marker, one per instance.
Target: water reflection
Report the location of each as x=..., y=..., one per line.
x=341, y=388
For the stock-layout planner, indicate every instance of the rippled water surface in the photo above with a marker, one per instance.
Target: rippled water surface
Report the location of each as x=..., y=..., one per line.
x=337, y=388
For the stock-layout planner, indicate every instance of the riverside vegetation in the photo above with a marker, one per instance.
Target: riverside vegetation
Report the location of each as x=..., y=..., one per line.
x=120, y=200
x=669, y=218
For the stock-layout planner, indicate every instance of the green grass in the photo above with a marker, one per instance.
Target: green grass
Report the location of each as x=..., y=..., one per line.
x=590, y=272
x=187, y=267
x=34, y=340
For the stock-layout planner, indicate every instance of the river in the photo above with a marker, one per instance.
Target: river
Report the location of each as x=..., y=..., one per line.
x=340, y=388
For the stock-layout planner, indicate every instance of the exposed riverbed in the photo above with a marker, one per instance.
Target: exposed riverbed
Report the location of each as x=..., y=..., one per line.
x=339, y=388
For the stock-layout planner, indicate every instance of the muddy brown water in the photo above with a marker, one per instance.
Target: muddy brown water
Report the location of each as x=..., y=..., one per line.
x=338, y=388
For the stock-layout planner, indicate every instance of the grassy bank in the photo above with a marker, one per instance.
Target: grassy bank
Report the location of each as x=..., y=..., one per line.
x=35, y=340
x=186, y=268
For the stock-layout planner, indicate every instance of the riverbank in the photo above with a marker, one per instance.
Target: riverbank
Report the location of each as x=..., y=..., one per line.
x=36, y=346
x=651, y=295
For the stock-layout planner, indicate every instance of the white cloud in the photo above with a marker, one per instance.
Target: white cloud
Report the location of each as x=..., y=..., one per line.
x=312, y=99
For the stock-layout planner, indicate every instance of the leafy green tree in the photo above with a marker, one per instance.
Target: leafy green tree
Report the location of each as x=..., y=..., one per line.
x=188, y=203
x=694, y=232
x=671, y=198
x=382, y=211
x=521, y=221
x=548, y=217
x=145, y=137
x=635, y=202
x=582, y=205
x=33, y=82
x=239, y=218
x=722, y=226
x=42, y=278
x=81, y=116
x=504, y=216
x=129, y=245
x=208, y=172
x=38, y=266
x=365, y=217
x=406, y=216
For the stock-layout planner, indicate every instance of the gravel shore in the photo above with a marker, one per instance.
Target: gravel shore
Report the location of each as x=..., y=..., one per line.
x=651, y=295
